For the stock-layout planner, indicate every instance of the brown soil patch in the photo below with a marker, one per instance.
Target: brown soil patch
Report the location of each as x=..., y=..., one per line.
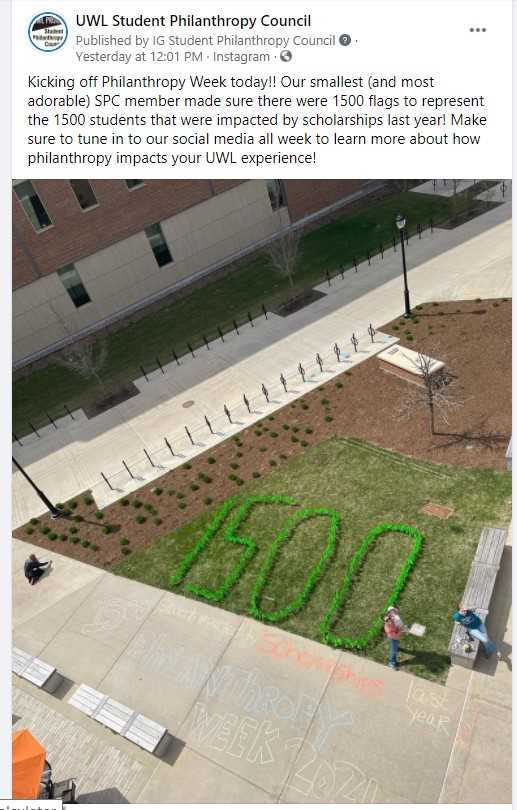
x=473, y=338
x=437, y=510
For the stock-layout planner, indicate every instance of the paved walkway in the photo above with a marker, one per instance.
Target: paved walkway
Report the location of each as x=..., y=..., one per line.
x=258, y=715
x=469, y=261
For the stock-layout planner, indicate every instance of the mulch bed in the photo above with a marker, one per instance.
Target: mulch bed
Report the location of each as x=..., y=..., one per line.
x=472, y=337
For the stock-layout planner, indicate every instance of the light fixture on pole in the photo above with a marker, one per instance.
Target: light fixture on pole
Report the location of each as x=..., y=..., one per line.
x=50, y=506
x=401, y=224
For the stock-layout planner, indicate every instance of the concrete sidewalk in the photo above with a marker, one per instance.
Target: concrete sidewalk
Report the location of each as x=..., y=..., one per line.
x=473, y=260
x=258, y=714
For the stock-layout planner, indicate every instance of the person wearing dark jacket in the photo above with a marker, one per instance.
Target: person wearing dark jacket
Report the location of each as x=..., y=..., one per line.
x=34, y=569
x=475, y=628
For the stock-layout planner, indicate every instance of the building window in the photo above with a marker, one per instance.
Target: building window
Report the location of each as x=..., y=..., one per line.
x=134, y=183
x=158, y=244
x=276, y=193
x=84, y=193
x=32, y=205
x=73, y=285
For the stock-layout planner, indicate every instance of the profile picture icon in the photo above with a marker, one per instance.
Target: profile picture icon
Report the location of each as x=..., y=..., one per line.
x=48, y=31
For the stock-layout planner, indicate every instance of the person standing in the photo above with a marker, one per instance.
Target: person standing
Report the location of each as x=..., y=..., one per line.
x=475, y=628
x=394, y=628
x=34, y=569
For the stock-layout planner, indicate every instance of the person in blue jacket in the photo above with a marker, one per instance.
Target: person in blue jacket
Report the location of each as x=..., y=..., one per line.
x=475, y=628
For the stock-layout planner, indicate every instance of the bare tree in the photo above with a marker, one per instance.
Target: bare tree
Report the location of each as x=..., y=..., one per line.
x=87, y=358
x=283, y=254
x=436, y=394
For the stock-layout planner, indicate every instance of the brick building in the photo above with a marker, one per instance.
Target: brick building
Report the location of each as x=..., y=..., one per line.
x=88, y=252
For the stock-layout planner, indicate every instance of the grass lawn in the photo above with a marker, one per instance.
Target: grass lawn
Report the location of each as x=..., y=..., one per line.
x=186, y=319
x=366, y=486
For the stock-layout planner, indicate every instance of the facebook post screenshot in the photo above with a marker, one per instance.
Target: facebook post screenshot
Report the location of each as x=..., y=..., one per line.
x=258, y=389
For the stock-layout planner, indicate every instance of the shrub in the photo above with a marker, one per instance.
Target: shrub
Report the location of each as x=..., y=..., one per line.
x=410, y=337
x=182, y=505
x=85, y=543
x=60, y=505
x=262, y=449
x=34, y=521
x=158, y=521
x=136, y=503
x=46, y=529
x=258, y=432
x=157, y=491
x=124, y=541
x=233, y=477
x=295, y=439
x=304, y=443
x=74, y=530
x=325, y=402
x=271, y=418
x=207, y=479
x=108, y=529
x=293, y=404
x=395, y=328
x=208, y=500
x=283, y=456
x=272, y=462
x=126, y=551
x=348, y=373
x=256, y=474
x=273, y=434
x=99, y=515
x=72, y=505
x=415, y=320
x=149, y=507
x=236, y=439
x=63, y=537
x=234, y=465
x=74, y=540
x=29, y=530
x=339, y=385
x=66, y=512
x=194, y=487
x=187, y=466
x=296, y=429
x=435, y=303
x=328, y=419
x=140, y=519
x=78, y=518
x=308, y=431
x=94, y=547
x=305, y=407
x=239, y=482
x=419, y=306
x=285, y=427
x=124, y=502
x=180, y=495
x=478, y=301
x=88, y=500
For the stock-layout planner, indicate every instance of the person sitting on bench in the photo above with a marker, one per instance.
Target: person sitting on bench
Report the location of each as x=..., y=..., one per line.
x=475, y=628
x=34, y=569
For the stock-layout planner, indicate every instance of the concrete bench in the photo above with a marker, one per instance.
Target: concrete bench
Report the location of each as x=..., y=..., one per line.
x=478, y=593
x=147, y=734
x=87, y=700
x=31, y=669
x=120, y=718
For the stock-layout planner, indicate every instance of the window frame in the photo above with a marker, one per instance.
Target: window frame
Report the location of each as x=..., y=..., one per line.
x=90, y=207
x=38, y=195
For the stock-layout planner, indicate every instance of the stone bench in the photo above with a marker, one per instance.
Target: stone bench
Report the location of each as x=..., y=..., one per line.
x=407, y=364
x=478, y=593
x=31, y=669
x=120, y=718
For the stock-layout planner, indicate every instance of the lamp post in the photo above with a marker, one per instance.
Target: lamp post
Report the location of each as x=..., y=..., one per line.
x=401, y=224
x=50, y=506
